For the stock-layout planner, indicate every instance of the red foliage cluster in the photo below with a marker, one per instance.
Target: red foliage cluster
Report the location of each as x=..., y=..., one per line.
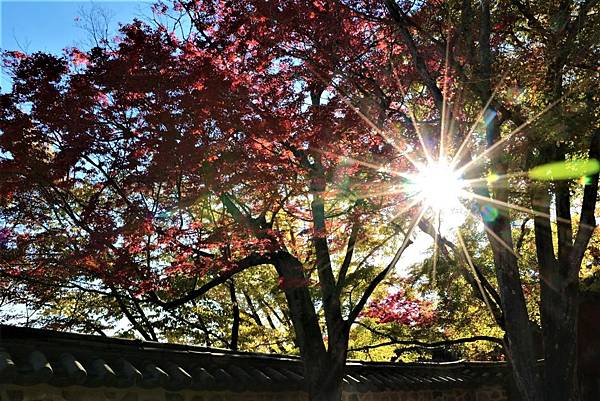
x=400, y=309
x=5, y=235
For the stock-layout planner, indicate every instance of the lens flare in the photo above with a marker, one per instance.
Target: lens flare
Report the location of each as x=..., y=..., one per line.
x=489, y=213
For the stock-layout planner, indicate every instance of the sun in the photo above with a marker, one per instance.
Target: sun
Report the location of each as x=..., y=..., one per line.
x=438, y=186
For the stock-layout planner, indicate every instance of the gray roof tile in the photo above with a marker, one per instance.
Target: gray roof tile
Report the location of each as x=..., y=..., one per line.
x=31, y=356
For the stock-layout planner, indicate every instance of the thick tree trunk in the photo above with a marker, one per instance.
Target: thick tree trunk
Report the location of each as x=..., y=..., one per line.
x=323, y=368
x=301, y=307
x=519, y=336
x=327, y=388
x=588, y=346
x=325, y=380
x=559, y=318
x=560, y=281
x=559, y=286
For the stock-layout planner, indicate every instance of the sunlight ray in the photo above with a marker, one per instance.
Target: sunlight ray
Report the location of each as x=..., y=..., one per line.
x=413, y=119
x=395, y=190
x=466, y=141
x=492, y=233
x=388, y=138
x=346, y=99
x=435, y=248
x=374, y=166
x=463, y=247
x=406, y=241
x=444, y=115
x=508, y=206
x=453, y=123
x=505, y=205
x=494, y=178
x=502, y=141
x=411, y=116
x=406, y=208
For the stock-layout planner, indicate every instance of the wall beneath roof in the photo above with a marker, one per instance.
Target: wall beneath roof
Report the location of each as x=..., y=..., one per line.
x=77, y=393
x=481, y=394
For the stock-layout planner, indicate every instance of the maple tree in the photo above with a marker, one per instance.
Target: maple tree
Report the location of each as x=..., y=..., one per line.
x=154, y=170
x=168, y=163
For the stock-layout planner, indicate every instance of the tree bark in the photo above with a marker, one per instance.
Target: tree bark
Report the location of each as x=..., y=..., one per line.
x=559, y=282
x=559, y=325
x=519, y=336
x=557, y=309
x=235, y=325
x=323, y=366
x=330, y=375
x=520, y=342
x=318, y=371
x=329, y=386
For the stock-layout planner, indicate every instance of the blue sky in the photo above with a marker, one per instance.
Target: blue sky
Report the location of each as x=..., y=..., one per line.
x=51, y=26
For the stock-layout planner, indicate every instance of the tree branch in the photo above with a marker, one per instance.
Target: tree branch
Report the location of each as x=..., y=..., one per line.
x=129, y=315
x=562, y=201
x=235, y=326
x=431, y=345
x=401, y=22
x=379, y=278
x=241, y=265
x=486, y=286
x=140, y=311
x=396, y=341
x=531, y=20
x=348, y=257
x=522, y=234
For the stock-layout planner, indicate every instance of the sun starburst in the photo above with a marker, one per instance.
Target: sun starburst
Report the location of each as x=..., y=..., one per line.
x=446, y=189
x=438, y=186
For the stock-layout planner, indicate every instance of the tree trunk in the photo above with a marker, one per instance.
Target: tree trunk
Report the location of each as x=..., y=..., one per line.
x=302, y=310
x=559, y=289
x=588, y=346
x=235, y=325
x=323, y=368
x=519, y=335
x=325, y=382
x=559, y=318
x=329, y=388
x=518, y=331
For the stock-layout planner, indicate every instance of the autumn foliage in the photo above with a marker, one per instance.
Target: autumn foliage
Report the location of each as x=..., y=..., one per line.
x=400, y=309
x=127, y=144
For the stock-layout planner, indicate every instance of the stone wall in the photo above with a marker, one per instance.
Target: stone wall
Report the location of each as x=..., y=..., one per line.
x=481, y=394
x=77, y=393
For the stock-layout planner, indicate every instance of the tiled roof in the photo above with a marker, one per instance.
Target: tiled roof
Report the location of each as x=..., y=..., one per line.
x=32, y=356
